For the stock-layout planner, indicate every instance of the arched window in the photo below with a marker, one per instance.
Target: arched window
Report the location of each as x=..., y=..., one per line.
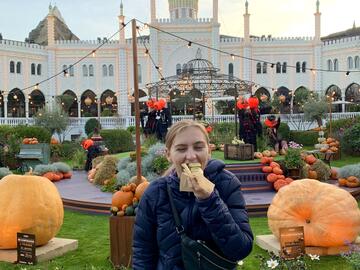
x=264, y=67
x=91, y=71
x=12, y=67
x=336, y=65
x=231, y=69
x=284, y=67
x=178, y=69
x=32, y=69
x=278, y=67
x=71, y=70
x=111, y=70
x=330, y=65
x=38, y=69
x=18, y=67
x=258, y=68
x=64, y=68
x=357, y=62
x=350, y=62
x=303, y=68
x=85, y=70
x=184, y=68
x=297, y=67
x=104, y=71
x=139, y=74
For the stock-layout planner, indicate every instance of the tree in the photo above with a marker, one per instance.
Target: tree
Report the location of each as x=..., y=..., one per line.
x=55, y=120
x=315, y=110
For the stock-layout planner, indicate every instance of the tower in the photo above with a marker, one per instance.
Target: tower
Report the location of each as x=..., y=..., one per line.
x=121, y=19
x=317, y=22
x=180, y=9
x=247, y=23
x=51, y=26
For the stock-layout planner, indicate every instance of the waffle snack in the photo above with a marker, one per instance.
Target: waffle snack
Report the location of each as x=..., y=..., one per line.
x=192, y=170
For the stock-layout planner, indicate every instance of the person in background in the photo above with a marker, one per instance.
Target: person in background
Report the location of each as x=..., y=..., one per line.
x=163, y=119
x=93, y=151
x=275, y=138
x=213, y=212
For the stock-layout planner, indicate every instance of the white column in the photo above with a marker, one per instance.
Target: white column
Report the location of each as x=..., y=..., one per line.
x=26, y=107
x=5, y=105
x=317, y=23
x=122, y=98
x=246, y=25
x=79, y=106
x=153, y=10
x=51, y=84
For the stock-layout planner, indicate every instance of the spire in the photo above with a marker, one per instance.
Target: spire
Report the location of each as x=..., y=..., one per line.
x=246, y=7
x=317, y=6
x=121, y=8
x=354, y=26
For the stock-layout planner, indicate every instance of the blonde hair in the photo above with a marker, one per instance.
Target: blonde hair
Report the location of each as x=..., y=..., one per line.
x=177, y=128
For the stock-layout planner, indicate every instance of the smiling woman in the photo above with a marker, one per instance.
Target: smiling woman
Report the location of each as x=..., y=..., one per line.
x=213, y=212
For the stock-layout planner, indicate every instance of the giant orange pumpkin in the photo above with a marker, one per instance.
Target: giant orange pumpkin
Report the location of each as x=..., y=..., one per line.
x=29, y=204
x=329, y=215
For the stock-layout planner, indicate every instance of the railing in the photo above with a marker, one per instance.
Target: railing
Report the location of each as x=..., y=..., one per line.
x=295, y=121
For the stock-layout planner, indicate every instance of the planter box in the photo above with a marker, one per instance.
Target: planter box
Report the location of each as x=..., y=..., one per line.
x=239, y=151
x=121, y=238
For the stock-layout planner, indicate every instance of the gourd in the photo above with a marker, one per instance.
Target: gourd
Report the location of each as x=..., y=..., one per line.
x=329, y=215
x=140, y=189
x=29, y=204
x=121, y=198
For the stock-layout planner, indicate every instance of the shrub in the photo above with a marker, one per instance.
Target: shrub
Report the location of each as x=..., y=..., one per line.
x=160, y=164
x=150, y=141
x=351, y=140
x=4, y=172
x=61, y=167
x=90, y=125
x=307, y=138
x=339, y=126
x=223, y=133
x=79, y=159
x=117, y=140
x=350, y=170
x=42, y=134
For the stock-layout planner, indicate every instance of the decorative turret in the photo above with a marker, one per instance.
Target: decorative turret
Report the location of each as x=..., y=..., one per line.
x=121, y=19
x=180, y=9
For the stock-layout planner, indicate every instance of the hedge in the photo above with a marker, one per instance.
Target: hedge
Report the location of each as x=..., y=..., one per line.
x=306, y=138
x=117, y=140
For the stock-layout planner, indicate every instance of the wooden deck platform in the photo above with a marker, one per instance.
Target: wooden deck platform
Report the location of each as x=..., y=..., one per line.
x=80, y=195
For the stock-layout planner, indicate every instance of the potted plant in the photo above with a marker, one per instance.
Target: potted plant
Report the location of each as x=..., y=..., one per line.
x=293, y=161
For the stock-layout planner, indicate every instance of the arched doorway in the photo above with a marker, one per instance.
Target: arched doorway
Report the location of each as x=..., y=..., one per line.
x=70, y=103
x=108, y=103
x=36, y=102
x=334, y=92
x=264, y=100
x=300, y=96
x=16, y=103
x=352, y=94
x=88, y=104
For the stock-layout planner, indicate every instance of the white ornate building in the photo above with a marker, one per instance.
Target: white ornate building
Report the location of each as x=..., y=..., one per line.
x=286, y=63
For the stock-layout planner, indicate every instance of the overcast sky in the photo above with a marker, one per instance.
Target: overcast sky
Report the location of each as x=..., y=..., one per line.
x=89, y=19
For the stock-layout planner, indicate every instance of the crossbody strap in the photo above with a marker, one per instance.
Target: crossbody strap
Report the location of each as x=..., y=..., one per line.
x=179, y=227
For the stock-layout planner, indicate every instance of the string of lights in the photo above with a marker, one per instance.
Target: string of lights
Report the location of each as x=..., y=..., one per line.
x=65, y=71
x=233, y=55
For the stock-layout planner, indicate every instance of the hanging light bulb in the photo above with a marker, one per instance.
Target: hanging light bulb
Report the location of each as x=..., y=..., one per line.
x=233, y=57
x=93, y=53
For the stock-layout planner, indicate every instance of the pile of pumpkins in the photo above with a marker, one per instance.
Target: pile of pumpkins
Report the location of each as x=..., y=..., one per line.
x=310, y=161
x=275, y=173
x=265, y=153
x=30, y=141
x=330, y=145
x=351, y=181
x=125, y=201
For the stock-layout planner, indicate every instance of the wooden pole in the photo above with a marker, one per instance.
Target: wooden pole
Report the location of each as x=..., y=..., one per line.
x=136, y=104
x=330, y=135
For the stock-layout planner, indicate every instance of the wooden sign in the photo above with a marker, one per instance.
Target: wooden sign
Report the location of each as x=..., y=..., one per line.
x=26, y=249
x=292, y=242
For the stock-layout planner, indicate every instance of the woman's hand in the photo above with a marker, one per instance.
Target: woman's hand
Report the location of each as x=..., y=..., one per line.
x=202, y=187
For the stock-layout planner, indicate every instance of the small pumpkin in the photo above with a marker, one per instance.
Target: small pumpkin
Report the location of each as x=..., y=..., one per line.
x=54, y=141
x=121, y=198
x=273, y=153
x=271, y=177
x=258, y=155
x=274, y=164
x=310, y=159
x=267, y=169
x=277, y=170
x=140, y=189
x=289, y=180
x=333, y=174
x=266, y=153
x=330, y=215
x=280, y=183
x=312, y=174
x=264, y=160
x=342, y=181
x=29, y=204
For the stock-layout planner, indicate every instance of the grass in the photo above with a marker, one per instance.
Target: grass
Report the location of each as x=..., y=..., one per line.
x=92, y=232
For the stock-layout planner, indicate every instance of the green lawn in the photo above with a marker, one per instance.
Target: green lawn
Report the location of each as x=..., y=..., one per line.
x=94, y=246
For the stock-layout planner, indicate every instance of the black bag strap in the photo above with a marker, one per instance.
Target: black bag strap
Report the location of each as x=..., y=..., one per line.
x=179, y=227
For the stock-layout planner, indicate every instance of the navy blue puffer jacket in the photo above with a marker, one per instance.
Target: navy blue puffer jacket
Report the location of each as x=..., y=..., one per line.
x=221, y=220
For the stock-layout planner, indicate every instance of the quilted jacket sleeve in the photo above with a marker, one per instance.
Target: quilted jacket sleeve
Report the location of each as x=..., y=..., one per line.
x=227, y=219
x=145, y=249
